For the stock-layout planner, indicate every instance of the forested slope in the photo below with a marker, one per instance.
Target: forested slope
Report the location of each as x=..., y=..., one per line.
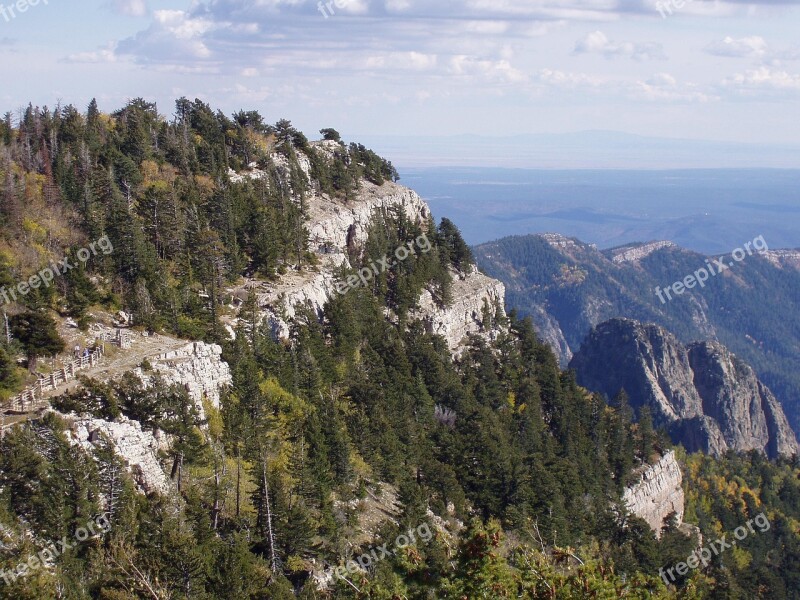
x=516, y=471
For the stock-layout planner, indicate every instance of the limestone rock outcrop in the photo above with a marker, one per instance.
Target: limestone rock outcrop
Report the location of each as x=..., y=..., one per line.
x=197, y=366
x=636, y=252
x=473, y=295
x=549, y=331
x=337, y=228
x=784, y=259
x=336, y=225
x=709, y=399
x=658, y=494
x=138, y=449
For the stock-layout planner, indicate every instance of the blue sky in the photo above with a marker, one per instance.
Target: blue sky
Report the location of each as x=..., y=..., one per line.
x=711, y=70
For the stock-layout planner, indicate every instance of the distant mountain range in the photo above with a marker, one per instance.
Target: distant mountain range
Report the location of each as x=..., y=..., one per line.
x=568, y=287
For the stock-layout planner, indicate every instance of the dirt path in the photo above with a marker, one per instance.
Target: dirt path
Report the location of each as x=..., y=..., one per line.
x=115, y=363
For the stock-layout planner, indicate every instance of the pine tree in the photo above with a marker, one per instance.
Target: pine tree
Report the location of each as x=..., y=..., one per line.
x=647, y=437
x=36, y=332
x=480, y=570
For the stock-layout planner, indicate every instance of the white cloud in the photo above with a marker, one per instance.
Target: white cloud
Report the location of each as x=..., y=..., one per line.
x=478, y=69
x=746, y=47
x=598, y=43
x=665, y=88
x=103, y=55
x=415, y=61
x=764, y=80
x=397, y=5
x=174, y=36
x=566, y=80
x=133, y=8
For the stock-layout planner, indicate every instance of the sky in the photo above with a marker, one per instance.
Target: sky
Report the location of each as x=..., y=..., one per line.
x=686, y=69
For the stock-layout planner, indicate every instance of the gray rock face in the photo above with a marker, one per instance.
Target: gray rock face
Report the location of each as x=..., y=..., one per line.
x=200, y=369
x=658, y=494
x=337, y=228
x=646, y=361
x=464, y=316
x=637, y=252
x=784, y=259
x=550, y=332
x=197, y=366
x=709, y=399
x=138, y=449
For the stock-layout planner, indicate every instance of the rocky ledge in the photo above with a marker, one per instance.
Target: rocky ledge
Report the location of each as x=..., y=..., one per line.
x=637, y=252
x=473, y=295
x=198, y=367
x=337, y=228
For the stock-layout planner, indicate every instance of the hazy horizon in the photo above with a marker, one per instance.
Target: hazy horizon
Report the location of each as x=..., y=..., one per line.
x=706, y=210
x=579, y=150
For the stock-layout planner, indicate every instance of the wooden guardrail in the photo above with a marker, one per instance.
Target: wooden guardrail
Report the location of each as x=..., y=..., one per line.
x=32, y=397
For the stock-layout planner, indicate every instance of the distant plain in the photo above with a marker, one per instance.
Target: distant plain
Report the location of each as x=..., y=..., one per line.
x=706, y=210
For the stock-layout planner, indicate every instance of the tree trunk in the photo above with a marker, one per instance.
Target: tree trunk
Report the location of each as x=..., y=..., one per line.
x=238, y=483
x=273, y=558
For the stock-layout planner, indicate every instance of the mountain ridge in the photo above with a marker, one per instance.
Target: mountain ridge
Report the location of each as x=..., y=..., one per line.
x=568, y=287
x=710, y=400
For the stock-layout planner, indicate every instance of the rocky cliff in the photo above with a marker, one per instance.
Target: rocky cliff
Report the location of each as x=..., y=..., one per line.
x=197, y=366
x=658, y=494
x=337, y=228
x=636, y=252
x=709, y=399
x=568, y=287
x=138, y=449
x=789, y=259
x=473, y=294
